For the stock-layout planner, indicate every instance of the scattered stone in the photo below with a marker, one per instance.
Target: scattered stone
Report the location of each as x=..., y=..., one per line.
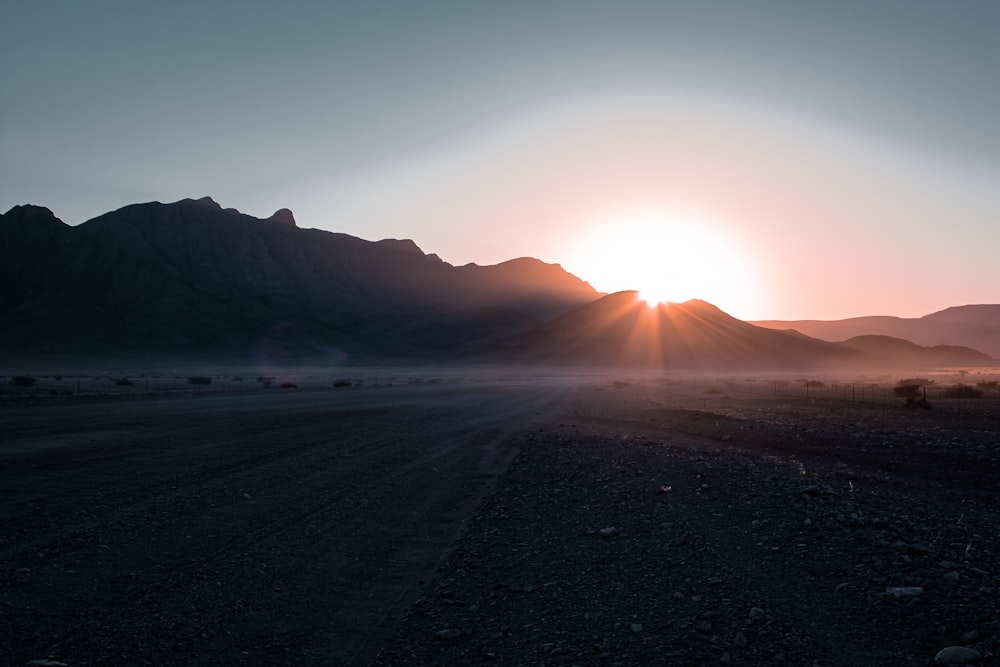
x=740, y=639
x=755, y=613
x=637, y=627
x=448, y=633
x=608, y=532
x=957, y=655
x=952, y=576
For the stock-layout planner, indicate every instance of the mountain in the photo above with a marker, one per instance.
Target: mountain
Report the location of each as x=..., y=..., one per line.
x=191, y=279
x=976, y=326
x=621, y=330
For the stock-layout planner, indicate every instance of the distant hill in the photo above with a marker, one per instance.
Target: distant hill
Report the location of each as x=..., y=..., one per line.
x=619, y=329
x=191, y=279
x=975, y=326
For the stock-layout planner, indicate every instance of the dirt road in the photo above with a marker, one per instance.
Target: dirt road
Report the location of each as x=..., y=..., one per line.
x=256, y=527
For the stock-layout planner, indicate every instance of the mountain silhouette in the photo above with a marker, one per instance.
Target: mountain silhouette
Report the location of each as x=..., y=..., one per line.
x=975, y=326
x=194, y=281
x=191, y=279
x=622, y=330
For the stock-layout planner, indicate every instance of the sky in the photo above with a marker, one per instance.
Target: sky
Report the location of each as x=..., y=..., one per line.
x=780, y=159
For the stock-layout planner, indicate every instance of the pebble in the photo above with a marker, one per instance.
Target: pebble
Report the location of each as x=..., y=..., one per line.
x=608, y=532
x=448, y=633
x=952, y=576
x=637, y=627
x=957, y=655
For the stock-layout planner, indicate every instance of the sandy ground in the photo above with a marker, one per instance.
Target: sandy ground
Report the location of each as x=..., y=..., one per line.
x=550, y=519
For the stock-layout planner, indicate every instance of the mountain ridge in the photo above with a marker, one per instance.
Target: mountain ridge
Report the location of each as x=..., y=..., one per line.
x=191, y=275
x=193, y=279
x=973, y=325
x=621, y=330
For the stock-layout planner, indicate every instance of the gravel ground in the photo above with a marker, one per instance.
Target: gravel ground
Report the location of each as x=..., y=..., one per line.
x=643, y=522
x=679, y=528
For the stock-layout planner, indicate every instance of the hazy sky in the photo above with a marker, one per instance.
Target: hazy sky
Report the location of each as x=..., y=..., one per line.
x=797, y=159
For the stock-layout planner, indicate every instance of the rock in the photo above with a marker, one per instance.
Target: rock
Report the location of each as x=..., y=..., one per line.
x=740, y=639
x=42, y=662
x=448, y=633
x=957, y=655
x=755, y=613
x=952, y=576
x=904, y=591
x=608, y=532
x=637, y=627
x=971, y=636
x=919, y=549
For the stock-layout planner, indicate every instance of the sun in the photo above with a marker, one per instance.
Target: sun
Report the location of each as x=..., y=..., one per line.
x=667, y=257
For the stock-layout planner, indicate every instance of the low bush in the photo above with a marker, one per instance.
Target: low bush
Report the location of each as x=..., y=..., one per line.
x=963, y=391
x=289, y=385
x=22, y=381
x=199, y=379
x=342, y=383
x=124, y=382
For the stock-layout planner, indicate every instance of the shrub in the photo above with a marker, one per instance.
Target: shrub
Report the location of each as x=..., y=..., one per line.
x=289, y=385
x=815, y=383
x=124, y=382
x=342, y=383
x=22, y=381
x=199, y=379
x=988, y=384
x=963, y=391
x=913, y=390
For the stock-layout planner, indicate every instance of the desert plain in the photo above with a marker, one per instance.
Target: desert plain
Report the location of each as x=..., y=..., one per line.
x=495, y=515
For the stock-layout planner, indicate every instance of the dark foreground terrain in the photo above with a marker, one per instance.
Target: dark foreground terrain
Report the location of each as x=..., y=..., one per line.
x=643, y=521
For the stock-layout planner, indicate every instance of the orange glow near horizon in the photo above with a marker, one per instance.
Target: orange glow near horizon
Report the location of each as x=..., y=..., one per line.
x=667, y=258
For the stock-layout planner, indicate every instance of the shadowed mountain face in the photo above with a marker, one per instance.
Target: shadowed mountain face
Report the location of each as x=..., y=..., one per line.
x=620, y=329
x=191, y=279
x=976, y=326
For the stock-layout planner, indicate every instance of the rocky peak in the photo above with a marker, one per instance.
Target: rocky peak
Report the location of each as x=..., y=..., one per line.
x=30, y=211
x=208, y=202
x=284, y=216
